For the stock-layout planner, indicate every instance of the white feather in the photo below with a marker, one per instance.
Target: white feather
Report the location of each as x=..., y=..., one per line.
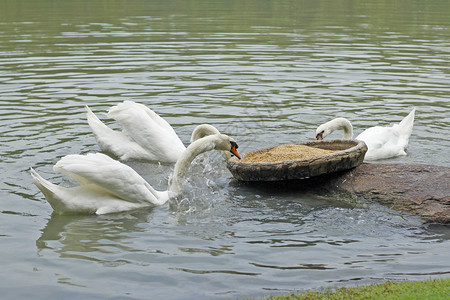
x=382, y=142
x=144, y=136
x=108, y=186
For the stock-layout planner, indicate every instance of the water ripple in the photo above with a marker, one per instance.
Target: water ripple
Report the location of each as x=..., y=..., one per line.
x=258, y=77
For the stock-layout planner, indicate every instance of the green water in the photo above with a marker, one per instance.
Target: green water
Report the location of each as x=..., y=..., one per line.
x=264, y=72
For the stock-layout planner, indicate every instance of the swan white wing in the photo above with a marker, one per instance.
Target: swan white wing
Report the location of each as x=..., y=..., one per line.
x=115, y=142
x=131, y=107
x=87, y=198
x=382, y=142
x=386, y=142
x=111, y=175
x=149, y=130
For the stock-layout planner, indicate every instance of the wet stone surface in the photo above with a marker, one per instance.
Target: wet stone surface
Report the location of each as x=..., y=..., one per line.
x=422, y=190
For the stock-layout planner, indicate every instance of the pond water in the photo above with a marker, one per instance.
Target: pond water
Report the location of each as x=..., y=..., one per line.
x=264, y=72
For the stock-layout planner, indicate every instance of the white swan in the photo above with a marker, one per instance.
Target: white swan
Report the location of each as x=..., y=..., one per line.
x=145, y=135
x=109, y=186
x=382, y=142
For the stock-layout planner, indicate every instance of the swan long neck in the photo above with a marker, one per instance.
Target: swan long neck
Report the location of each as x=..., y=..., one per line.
x=182, y=165
x=348, y=130
x=342, y=123
x=203, y=130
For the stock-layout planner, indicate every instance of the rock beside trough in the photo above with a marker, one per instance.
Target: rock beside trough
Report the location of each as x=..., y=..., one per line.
x=422, y=190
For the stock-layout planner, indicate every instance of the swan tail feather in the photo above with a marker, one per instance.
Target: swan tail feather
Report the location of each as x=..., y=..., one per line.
x=109, y=140
x=407, y=123
x=404, y=130
x=98, y=127
x=406, y=126
x=45, y=186
x=50, y=191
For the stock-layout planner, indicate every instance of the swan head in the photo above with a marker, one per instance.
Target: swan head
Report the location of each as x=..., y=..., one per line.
x=320, y=133
x=226, y=143
x=323, y=130
x=339, y=123
x=204, y=130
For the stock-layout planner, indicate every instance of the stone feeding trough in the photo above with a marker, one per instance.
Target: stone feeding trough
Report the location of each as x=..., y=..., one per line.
x=298, y=161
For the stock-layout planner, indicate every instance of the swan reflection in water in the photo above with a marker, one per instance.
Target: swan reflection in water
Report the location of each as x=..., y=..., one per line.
x=130, y=237
x=83, y=236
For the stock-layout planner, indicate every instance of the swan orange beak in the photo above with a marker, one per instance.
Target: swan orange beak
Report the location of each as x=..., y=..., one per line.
x=319, y=136
x=233, y=150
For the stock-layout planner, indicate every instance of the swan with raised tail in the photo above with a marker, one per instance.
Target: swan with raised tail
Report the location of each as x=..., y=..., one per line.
x=109, y=186
x=145, y=135
x=382, y=142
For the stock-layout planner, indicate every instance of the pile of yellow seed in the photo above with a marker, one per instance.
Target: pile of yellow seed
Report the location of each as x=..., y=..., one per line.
x=285, y=152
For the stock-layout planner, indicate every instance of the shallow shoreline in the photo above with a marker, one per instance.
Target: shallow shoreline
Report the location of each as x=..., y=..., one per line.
x=425, y=289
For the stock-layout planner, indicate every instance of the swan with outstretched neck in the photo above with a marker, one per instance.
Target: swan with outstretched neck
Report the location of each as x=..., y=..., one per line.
x=382, y=142
x=109, y=186
x=145, y=135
